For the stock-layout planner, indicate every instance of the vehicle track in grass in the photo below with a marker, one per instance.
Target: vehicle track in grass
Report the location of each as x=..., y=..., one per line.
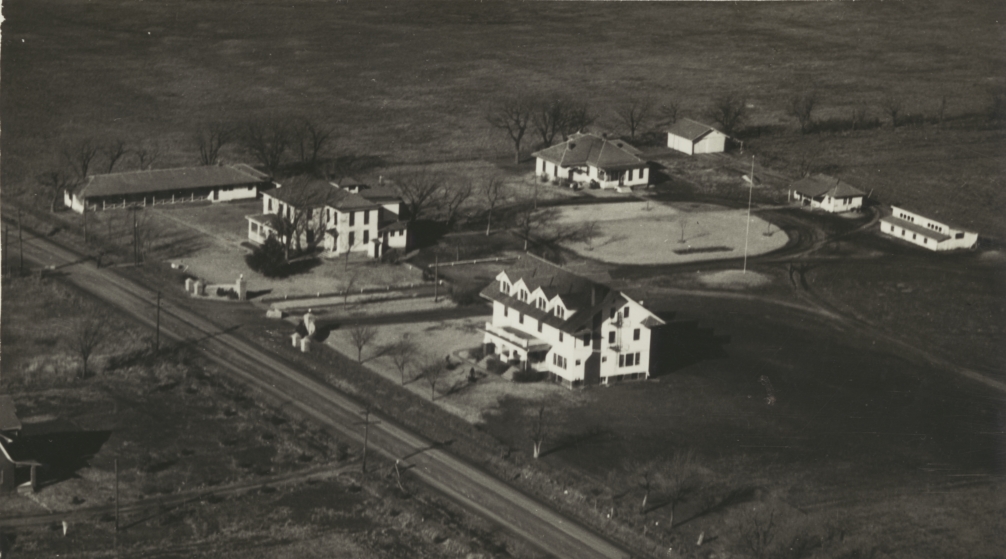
x=281, y=381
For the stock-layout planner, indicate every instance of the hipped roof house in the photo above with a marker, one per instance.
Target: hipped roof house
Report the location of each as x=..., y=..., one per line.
x=593, y=151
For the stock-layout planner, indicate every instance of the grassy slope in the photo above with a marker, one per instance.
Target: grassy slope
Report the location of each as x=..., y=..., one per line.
x=411, y=80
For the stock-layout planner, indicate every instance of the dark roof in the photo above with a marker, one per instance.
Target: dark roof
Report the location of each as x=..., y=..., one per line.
x=924, y=231
x=183, y=178
x=8, y=414
x=345, y=200
x=246, y=168
x=394, y=226
x=689, y=129
x=575, y=292
x=821, y=185
x=588, y=149
x=318, y=193
x=349, y=182
x=375, y=193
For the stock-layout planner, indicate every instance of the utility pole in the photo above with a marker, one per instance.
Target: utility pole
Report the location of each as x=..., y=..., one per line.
x=115, y=537
x=20, y=246
x=83, y=216
x=157, y=336
x=366, y=436
x=750, y=191
x=6, y=237
x=136, y=241
x=436, y=277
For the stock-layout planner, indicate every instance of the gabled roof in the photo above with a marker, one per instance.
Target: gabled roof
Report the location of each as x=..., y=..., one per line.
x=588, y=149
x=690, y=129
x=182, y=178
x=319, y=193
x=924, y=231
x=824, y=185
x=577, y=293
x=8, y=414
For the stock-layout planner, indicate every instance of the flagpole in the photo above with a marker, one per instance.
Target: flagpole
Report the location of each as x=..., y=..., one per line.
x=748, y=231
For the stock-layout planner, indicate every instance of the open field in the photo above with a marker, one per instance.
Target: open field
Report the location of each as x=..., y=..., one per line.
x=646, y=233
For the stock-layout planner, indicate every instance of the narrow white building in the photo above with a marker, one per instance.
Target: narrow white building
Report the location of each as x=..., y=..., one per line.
x=578, y=331
x=827, y=193
x=924, y=232
x=216, y=183
x=691, y=137
x=586, y=158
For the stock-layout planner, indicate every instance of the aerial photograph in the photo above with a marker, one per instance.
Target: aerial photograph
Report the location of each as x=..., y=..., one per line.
x=500, y=279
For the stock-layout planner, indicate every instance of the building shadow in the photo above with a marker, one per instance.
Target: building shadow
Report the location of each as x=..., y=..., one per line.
x=682, y=343
x=61, y=454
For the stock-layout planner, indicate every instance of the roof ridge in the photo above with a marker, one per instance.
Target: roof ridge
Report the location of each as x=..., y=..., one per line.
x=146, y=171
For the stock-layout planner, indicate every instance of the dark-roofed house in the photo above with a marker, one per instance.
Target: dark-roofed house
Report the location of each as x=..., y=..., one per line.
x=578, y=331
x=342, y=220
x=691, y=137
x=587, y=158
x=217, y=183
x=827, y=193
x=927, y=233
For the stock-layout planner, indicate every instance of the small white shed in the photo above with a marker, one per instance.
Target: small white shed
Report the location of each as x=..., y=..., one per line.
x=688, y=136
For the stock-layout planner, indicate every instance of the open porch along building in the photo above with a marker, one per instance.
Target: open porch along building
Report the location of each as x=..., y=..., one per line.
x=344, y=216
x=579, y=332
x=216, y=183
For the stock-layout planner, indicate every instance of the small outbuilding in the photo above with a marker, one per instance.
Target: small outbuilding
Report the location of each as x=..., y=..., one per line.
x=924, y=232
x=827, y=193
x=691, y=137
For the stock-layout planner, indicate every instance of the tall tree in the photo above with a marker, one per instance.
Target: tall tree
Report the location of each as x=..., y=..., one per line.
x=55, y=182
x=403, y=354
x=492, y=190
x=210, y=138
x=88, y=333
x=302, y=223
x=79, y=158
x=729, y=110
x=635, y=113
x=267, y=141
x=454, y=195
x=114, y=150
x=513, y=115
x=577, y=118
x=419, y=188
x=432, y=370
x=361, y=335
x=147, y=152
x=539, y=430
x=310, y=140
x=668, y=112
x=801, y=107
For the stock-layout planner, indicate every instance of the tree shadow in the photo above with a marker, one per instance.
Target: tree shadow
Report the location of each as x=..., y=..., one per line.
x=574, y=440
x=253, y=294
x=682, y=343
x=736, y=496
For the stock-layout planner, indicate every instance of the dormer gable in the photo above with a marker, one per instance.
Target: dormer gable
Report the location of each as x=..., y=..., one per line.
x=558, y=308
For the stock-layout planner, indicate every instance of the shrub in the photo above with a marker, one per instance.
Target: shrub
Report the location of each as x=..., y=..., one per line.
x=269, y=259
x=477, y=353
x=466, y=293
x=528, y=376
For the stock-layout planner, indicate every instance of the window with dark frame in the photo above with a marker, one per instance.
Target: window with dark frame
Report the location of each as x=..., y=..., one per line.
x=352, y=218
x=611, y=337
x=366, y=218
x=635, y=334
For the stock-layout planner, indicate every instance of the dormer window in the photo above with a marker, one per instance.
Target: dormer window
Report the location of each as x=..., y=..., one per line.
x=522, y=295
x=559, y=311
x=505, y=287
x=540, y=303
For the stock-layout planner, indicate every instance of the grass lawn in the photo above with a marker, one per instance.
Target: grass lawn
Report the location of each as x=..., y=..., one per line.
x=648, y=233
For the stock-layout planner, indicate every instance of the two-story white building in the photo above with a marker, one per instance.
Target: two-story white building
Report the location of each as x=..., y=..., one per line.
x=578, y=331
x=586, y=158
x=924, y=232
x=341, y=219
x=827, y=193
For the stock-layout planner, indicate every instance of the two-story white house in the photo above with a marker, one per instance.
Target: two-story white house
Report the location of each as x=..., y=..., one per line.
x=827, y=193
x=578, y=331
x=924, y=232
x=339, y=219
x=586, y=158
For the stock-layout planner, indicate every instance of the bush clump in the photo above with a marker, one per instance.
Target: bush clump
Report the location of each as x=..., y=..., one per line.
x=269, y=259
x=466, y=293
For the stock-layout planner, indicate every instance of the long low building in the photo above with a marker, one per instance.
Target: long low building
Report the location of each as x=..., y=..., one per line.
x=924, y=232
x=217, y=183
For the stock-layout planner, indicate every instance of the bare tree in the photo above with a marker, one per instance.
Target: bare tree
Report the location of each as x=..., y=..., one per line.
x=677, y=480
x=402, y=355
x=526, y=218
x=432, y=370
x=267, y=141
x=634, y=113
x=729, y=110
x=589, y=231
x=669, y=112
x=302, y=219
x=114, y=151
x=578, y=117
x=55, y=182
x=210, y=139
x=361, y=336
x=88, y=333
x=453, y=196
x=147, y=152
x=513, y=115
x=79, y=158
x=801, y=107
x=539, y=430
x=891, y=105
x=547, y=116
x=419, y=189
x=646, y=478
x=757, y=533
x=493, y=191
x=310, y=139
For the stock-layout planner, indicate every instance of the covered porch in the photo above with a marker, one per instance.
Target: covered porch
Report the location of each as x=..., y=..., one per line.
x=514, y=346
